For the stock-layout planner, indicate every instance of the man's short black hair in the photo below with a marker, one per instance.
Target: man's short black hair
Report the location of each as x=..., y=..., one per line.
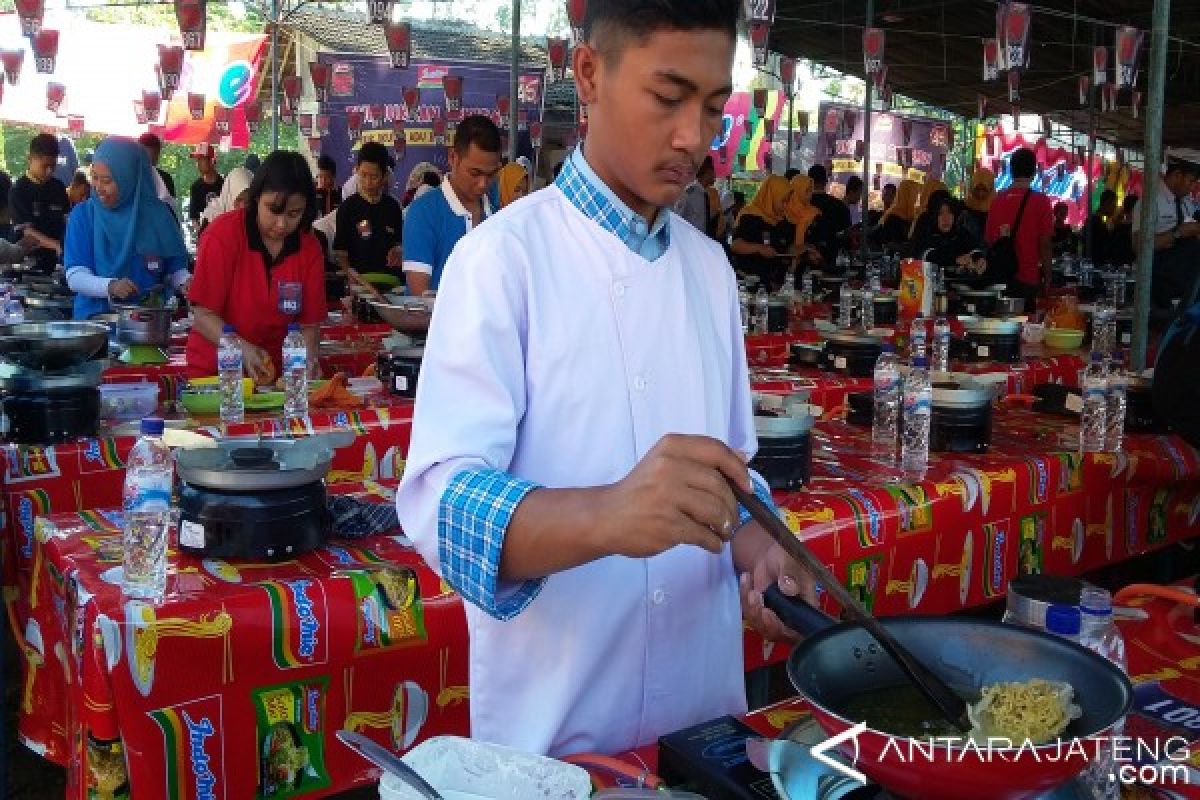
x=791, y=173
x=79, y=179
x=855, y=184
x=1108, y=195
x=431, y=179
x=818, y=174
x=1182, y=165
x=1023, y=164
x=889, y=187
x=151, y=141
x=44, y=144
x=479, y=131
x=608, y=24
x=375, y=153
x=327, y=164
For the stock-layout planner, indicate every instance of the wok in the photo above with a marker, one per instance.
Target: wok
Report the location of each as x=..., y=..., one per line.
x=52, y=345
x=836, y=661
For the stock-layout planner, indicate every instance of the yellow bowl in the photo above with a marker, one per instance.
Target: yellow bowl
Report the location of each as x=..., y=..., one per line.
x=1063, y=338
x=200, y=383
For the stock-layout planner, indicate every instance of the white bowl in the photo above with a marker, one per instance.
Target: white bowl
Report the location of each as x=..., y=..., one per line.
x=1033, y=332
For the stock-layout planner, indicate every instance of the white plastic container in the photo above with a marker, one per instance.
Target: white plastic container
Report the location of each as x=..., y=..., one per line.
x=463, y=769
x=122, y=402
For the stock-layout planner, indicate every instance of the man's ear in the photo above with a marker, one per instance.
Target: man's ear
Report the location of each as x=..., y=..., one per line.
x=586, y=63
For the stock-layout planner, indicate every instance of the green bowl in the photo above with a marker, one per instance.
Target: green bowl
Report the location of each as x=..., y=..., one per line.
x=265, y=401
x=201, y=404
x=1064, y=338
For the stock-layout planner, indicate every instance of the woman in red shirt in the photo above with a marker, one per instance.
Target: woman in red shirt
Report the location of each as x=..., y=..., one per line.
x=259, y=269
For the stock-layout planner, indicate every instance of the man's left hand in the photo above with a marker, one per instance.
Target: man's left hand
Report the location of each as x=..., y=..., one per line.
x=760, y=563
x=395, y=257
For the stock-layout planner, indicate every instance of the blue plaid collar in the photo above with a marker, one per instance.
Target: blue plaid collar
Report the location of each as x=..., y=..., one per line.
x=588, y=193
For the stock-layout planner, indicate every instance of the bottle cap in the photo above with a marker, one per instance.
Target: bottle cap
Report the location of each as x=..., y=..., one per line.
x=889, y=347
x=152, y=426
x=293, y=327
x=1063, y=620
x=1095, y=601
x=1097, y=356
x=921, y=362
x=228, y=328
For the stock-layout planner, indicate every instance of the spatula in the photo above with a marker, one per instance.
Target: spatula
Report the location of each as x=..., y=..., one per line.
x=944, y=699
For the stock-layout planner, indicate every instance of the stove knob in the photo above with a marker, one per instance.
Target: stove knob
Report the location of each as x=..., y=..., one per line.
x=270, y=552
x=288, y=549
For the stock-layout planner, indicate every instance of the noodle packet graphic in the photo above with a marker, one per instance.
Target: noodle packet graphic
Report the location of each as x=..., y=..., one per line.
x=291, y=718
x=390, y=613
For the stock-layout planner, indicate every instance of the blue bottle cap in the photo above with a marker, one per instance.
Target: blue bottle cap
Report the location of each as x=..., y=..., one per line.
x=228, y=328
x=889, y=347
x=921, y=362
x=1063, y=620
x=152, y=426
x=293, y=327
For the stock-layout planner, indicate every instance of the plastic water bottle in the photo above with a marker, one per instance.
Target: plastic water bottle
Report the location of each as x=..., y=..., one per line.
x=1101, y=635
x=1093, y=424
x=788, y=290
x=873, y=281
x=868, y=308
x=1114, y=420
x=918, y=412
x=762, y=309
x=940, y=360
x=149, y=480
x=14, y=312
x=744, y=304
x=885, y=429
x=806, y=288
x=918, y=339
x=1104, y=328
x=845, y=305
x=295, y=373
x=230, y=374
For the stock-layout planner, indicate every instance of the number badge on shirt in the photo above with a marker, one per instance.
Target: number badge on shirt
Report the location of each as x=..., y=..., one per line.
x=291, y=298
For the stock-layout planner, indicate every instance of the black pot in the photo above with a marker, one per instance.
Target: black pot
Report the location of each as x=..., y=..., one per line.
x=785, y=462
x=960, y=430
x=885, y=310
x=1139, y=408
x=861, y=408
x=851, y=355
x=777, y=316
x=276, y=525
x=979, y=303
x=399, y=370
x=364, y=311
x=51, y=416
x=805, y=355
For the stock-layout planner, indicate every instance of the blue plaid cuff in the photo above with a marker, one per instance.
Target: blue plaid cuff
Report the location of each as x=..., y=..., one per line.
x=763, y=492
x=473, y=518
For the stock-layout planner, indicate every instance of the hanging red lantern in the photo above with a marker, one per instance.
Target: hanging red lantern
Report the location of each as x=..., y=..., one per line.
x=399, y=139
x=253, y=111
x=196, y=105
x=13, y=59
x=170, y=63
x=291, y=91
x=139, y=111
x=221, y=119
x=439, y=131
x=399, y=43
x=769, y=128
x=760, y=35
x=45, y=50
x=535, y=135
x=576, y=13
x=787, y=73
x=503, y=106
x=1100, y=65
x=1129, y=47
x=152, y=105
x=321, y=122
x=874, y=40
x=74, y=125
x=320, y=74
x=1085, y=89
x=191, y=15
x=991, y=59
x=558, y=50
x=760, y=101
x=314, y=145
x=305, y=123
x=452, y=89
x=31, y=14
x=56, y=95
x=354, y=122
x=380, y=11
x=412, y=101
x=1016, y=35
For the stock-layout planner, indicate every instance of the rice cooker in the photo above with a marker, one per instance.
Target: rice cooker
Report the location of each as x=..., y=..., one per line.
x=961, y=421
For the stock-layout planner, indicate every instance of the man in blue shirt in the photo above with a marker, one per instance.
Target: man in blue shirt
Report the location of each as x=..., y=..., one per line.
x=438, y=219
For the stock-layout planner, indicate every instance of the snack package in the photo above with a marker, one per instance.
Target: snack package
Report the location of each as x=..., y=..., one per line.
x=390, y=613
x=916, y=288
x=291, y=718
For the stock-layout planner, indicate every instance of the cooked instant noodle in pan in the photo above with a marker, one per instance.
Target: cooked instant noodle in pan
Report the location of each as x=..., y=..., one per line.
x=1037, y=710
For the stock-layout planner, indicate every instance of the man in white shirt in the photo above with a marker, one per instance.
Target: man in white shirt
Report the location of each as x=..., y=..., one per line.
x=1176, y=238
x=583, y=402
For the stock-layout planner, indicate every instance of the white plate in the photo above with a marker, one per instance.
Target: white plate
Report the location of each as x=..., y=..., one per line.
x=462, y=769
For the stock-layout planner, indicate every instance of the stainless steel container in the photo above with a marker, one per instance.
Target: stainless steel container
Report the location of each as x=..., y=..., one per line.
x=138, y=325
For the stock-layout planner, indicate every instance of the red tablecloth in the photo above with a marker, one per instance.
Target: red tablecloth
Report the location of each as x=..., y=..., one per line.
x=188, y=693
x=1163, y=652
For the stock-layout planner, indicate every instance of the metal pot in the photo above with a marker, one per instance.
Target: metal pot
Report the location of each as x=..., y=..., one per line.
x=1010, y=306
x=138, y=325
x=52, y=345
x=260, y=465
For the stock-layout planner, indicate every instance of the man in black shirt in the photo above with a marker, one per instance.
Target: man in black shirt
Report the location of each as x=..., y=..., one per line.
x=329, y=194
x=826, y=232
x=39, y=200
x=370, y=223
x=208, y=185
x=153, y=147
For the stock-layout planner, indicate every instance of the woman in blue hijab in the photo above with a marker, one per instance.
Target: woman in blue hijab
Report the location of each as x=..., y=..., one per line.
x=123, y=240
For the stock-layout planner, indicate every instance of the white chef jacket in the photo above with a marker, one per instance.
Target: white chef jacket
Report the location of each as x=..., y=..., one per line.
x=559, y=356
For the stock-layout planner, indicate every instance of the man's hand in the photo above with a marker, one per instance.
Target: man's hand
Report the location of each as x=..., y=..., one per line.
x=761, y=562
x=1189, y=230
x=395, y=257
x=258, y=364
x=122, y=289
x=677, y=494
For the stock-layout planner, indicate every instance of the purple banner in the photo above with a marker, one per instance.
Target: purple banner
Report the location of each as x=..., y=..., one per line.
x=902, y=146
x=371, y=86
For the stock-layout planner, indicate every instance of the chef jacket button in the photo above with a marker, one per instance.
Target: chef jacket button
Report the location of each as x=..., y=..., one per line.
x=619, y=289
x=639, y=227
x=659, y=597
x=639, y=383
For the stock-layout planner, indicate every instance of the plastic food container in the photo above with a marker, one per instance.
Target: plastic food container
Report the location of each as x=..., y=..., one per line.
x=462, y=769
x=121, y=402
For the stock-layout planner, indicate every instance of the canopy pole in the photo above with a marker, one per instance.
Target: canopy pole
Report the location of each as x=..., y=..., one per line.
x=1151, y=174
x=865, y=202
x=791, y=121
x=1091, y=159
x=274, y=75
x=514, y=100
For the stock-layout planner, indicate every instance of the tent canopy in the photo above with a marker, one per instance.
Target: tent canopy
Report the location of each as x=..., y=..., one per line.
x=934, y=54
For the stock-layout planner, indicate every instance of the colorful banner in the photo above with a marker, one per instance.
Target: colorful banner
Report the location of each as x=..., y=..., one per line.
x=106, y=67
x=744, y=143
x=901, y=146
x=370, y=86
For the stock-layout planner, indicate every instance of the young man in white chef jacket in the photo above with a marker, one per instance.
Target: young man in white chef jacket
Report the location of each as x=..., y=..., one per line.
x=582, y=401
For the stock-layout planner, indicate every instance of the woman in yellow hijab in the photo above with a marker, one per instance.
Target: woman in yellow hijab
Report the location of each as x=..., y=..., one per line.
x=514, y=183
x=799, y=208
x=763, y=233
x=979, y=200
x=895, y=223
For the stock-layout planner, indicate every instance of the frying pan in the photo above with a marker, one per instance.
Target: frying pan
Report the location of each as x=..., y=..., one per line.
x=837, y=661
